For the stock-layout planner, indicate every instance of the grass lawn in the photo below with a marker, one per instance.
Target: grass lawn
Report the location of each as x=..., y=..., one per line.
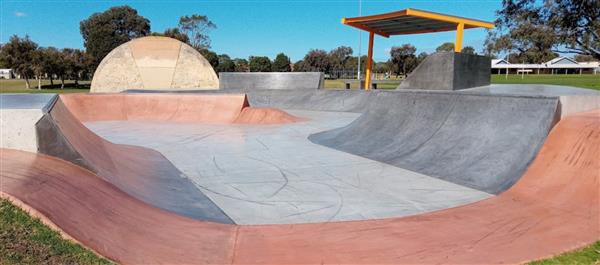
x=18, y=86
x=25, y=240
x=588, y=255
x=584, y=81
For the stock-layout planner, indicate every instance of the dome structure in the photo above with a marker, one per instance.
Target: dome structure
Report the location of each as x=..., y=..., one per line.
x=154, y=63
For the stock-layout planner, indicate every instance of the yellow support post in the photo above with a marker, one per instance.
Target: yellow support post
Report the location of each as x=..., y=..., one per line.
x=459, y=37
x=369, y=62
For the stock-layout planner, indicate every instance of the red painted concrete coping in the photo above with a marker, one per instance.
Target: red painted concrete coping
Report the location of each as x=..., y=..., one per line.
x=552, y=209
x=188, y=108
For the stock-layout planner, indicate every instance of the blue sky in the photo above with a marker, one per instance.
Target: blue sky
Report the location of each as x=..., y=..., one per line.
x=247, y=27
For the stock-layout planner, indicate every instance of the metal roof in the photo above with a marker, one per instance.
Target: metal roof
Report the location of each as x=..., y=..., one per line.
x=412, y=21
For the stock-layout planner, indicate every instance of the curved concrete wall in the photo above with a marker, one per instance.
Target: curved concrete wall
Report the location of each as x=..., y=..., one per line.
x=153, y=63
x=449, y=71
x=273, y=80
x=18, y=115
x=480, y=141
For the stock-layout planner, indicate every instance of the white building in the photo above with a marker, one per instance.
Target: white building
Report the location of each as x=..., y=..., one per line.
x=559, y=65
x=6, y=74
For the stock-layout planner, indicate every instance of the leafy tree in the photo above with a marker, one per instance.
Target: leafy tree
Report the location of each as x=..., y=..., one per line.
x=173, y=33
x=259, y=64
x=241, y=65
x=225, y=64
x=211, y=57
x=381, y=67
x=585, y=58
x=445, y=47
x=316, y=60
x=102, y=32
x=403, y=59
x=75, y=63
x=468, y=50
x=18, y=54
x=196, y=27
x=282, y=63
x=536, y=30
x=339, y=56
x=38, y=66
x=298, y=66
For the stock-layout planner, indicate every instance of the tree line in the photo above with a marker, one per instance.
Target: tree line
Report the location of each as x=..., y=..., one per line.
x=533, y=31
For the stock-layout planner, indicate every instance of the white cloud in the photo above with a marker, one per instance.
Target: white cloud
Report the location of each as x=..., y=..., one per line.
x=20, y=14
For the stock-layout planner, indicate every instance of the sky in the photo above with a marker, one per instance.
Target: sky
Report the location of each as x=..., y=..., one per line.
x=248, y=27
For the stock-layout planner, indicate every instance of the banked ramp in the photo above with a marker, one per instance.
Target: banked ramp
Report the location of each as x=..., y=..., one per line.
x=553, y=208
x=141, y=172
x=480, y=141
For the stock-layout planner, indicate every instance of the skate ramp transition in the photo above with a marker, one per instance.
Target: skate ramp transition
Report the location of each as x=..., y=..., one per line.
x=480, y=141
x=553, y=208
x=141, y=172
x=271, y=80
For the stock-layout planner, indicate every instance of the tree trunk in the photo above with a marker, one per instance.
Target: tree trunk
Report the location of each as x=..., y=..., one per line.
x=39, y=79
x=51, y=81
x=27, y=82
x=62, y=82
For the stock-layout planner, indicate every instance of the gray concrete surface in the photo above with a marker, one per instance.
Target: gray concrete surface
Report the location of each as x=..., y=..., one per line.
x=572, y=99
x=140, y=172
x=269, y=174
x=272, y=80
x=449, y=71
x=479, y=141
x=18, y=116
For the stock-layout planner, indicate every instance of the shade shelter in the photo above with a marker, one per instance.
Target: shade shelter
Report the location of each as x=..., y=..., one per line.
x=411, y=21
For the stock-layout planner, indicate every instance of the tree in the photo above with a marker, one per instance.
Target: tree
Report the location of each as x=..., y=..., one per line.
x=173, y=33
x=225, y=64
x=539, y=29
x=241, y=65
x=282, y=63
x=585, y=58
x=259, y=64
x=445, y=47
x=468, y=50
x=75, y=63
x=211, y=57
x=339, y=56
x=102, y=32
x=18, y=54
x=403, y=59
x=196, y=28
x=316, y=60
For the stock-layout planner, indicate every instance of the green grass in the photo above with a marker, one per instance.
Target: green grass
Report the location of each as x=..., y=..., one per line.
x=18, y=86
x=588, y=255
x=584, y=81
x=25, y=240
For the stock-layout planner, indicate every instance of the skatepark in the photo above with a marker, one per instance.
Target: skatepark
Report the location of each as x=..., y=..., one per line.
x=160, y=166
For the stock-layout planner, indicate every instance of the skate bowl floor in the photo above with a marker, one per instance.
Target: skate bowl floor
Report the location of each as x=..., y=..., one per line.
x=272, y=179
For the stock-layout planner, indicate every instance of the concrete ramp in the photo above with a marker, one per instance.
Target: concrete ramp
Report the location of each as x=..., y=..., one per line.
x=480, y=141
x=141, y=172
x=553, y=208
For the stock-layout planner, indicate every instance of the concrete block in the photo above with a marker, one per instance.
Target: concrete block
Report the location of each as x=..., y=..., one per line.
x=275, y=80
x=449, y=71
x=18, y=115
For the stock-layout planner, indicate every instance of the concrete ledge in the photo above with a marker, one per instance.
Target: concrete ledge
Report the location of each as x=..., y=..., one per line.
x=274, y=80
x=18, y=115
x=449, y=71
